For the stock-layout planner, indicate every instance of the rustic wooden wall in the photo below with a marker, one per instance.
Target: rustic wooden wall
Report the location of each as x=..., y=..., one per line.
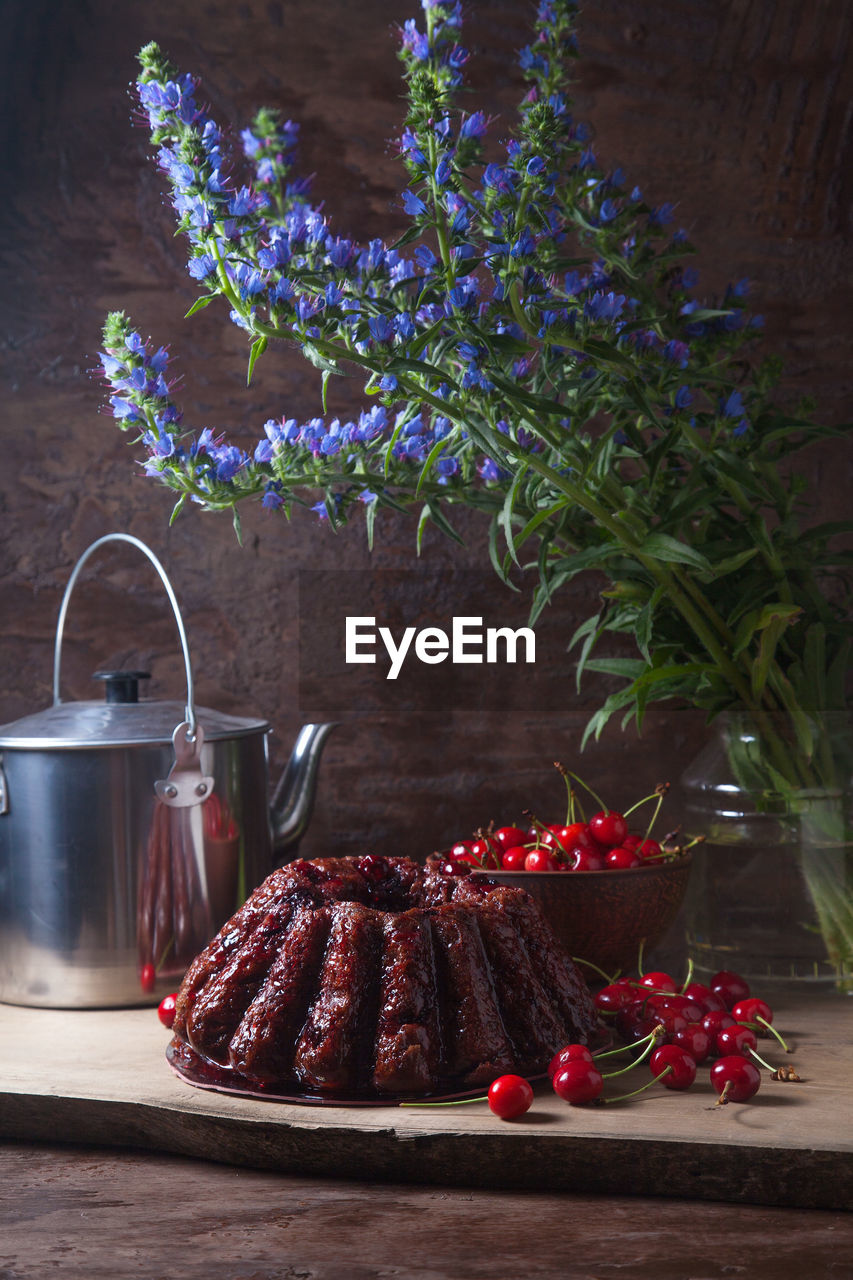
x=740, y=112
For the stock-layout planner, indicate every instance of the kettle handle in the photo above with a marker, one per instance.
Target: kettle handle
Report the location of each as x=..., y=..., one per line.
x=173, y=600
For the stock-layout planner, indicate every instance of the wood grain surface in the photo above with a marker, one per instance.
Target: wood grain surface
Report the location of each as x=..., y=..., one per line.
x=102, y=1214
x=101, y=1077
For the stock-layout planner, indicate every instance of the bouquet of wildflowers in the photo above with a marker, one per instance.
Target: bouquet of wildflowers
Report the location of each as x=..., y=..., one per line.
x=532, y=346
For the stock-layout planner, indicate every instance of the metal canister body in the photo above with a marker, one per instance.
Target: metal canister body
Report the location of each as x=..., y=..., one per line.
x=82, y=835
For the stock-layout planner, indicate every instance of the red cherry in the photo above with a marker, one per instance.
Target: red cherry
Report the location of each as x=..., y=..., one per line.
x=453, y=868
x=735, y=1039
x=612, y=998
x=571, y=1053
x=577, y=833
x=682, y=1066
x=730, y=987
x=679, y=1004
x=608, y=828
x=703, y=996
x=540, y=860
x=714, y=1022
x=695, y=1040
x=582, y=859
x=650, y=850
x=508, y=837
x=659, y=981
x=166, y=1010
x=510, y=1096
x=622, y=858
x=578, y=1082
x=634, y=1022
x=484, y=854
x=147, y=978
x=735, y=1078
x=751, y=1010
x=461, y=850
x=514, y=859
x=632, y=841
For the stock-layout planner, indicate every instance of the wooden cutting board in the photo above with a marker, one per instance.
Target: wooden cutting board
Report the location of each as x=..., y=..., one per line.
x=101, y=1077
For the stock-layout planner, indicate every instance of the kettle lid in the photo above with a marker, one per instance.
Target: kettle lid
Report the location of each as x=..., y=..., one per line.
x=118, y=724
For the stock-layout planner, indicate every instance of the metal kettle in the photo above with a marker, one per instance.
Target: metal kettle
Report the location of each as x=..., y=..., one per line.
x=131, y=830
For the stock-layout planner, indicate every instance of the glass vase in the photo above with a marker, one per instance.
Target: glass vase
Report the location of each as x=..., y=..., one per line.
x=771, y=893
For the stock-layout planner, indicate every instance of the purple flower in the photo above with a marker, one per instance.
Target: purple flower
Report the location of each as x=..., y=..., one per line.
x=731, y=406
x=272, y=499
x=604, y=306
x=474, y=126
x=413, y=204
x=381, y=328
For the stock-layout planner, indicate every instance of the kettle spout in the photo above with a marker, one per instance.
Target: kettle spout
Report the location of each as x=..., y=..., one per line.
x=293, y=801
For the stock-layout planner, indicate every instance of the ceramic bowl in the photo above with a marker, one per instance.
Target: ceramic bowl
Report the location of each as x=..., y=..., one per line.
x=603, y=917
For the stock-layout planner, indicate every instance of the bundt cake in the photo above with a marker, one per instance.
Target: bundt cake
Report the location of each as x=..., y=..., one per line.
x=377, y=977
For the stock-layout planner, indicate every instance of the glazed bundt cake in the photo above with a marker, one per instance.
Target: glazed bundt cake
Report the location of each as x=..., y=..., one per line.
x=359, y=977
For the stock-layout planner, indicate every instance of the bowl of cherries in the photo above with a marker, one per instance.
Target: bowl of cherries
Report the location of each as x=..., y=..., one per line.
x=607, y=886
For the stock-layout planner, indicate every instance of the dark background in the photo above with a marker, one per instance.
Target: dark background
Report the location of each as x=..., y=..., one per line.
x=737, y=110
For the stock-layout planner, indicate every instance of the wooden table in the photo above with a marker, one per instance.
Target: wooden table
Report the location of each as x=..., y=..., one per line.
x=108, y=1214
x=654, y=1190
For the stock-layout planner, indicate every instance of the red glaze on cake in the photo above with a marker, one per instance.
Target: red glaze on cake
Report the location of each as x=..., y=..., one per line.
x=369, y=977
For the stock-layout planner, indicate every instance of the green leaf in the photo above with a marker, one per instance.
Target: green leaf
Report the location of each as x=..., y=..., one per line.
x=546, y=513
x=200, y=304
x=759, y=619
x=433, y=455
x=496, y=558
x=178, y=508
x=318, y=360
x=660, y=546
x=327, y=373
x=636, y=392
x=259, y=346
x=630, y=668
x=370, y=509
x=645, y=622
x=423, y=520
x=238, y=525
x=506, y=514
x=721, y=568
x=771, y=634
x=607, y=353
x=591, y=631
x=439, y=519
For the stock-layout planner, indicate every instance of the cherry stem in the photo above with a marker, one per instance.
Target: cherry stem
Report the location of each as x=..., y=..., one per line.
x=567, y=773
x=656, y=794
x=458, y=1102
x=622, y=1096
x=758, y=1058
x=661, y=791
x=626, y=1048
x=640, y=957
x=724, y=1096
x=570, y=809
x=635, y=1062
x=773, y=1032
x=590, y=965
x=686, y=983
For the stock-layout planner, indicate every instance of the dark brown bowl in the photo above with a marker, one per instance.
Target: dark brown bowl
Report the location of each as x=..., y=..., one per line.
x=603, y=917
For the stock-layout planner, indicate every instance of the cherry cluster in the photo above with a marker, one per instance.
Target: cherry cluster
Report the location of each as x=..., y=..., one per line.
x=605, y=842
x=676, y=1029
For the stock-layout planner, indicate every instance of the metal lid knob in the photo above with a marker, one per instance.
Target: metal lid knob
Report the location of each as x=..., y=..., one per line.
x=121, y=686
